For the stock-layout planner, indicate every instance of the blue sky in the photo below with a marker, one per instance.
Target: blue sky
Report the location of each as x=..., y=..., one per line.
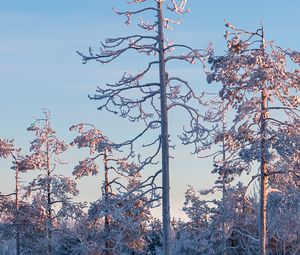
x=40, y=69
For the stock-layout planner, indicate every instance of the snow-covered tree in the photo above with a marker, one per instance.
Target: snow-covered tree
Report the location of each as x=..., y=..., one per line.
x=196, y=232
x=136, y=98
x=99, y=147
x=204, y=232
x=260, y=83
x=50, y=191
x=8, y=149
x=129, y=217
x=122, y=206
x=284, y=194
x=154, y=237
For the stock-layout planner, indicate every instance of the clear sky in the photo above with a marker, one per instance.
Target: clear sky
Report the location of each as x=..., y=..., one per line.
x=40, y=69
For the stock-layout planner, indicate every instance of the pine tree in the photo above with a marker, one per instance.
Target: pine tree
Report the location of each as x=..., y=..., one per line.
x=8, y=149
x=150, y=102
x=51, y=192
x=258, y=84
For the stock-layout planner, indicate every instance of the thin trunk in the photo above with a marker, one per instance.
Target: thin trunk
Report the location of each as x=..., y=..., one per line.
x=49, y=211
x=263, y=166
x=164, y=135
x=17, y=227
x=224, y=252
x=106, y=189
x=263, y=177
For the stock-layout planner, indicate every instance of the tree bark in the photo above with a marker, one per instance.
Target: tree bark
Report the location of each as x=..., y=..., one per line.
x=224, y=251
x=17, y=227
x=106, y=190
x=49, y=211
x=164, y=135
x=263, y=177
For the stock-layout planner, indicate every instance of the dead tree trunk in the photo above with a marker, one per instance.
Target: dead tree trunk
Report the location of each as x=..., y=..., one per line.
x=106, y=190
x=263, y=177
x=263, y=165
x=164, y=135
x=49, y=211
x=17, y=221
x=224, y=252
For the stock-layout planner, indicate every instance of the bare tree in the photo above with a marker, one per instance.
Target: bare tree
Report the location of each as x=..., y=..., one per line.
x=150, y=102
x=257, y=83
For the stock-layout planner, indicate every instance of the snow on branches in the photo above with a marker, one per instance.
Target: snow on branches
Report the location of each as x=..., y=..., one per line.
x=6, y=148
x=261, y=84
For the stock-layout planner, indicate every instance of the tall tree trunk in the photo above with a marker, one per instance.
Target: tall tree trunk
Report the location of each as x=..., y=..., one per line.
x=164, y=135
x=263, y=177
x=106, y=189
x=49, y=211
x=224, y=252
x=17, y=221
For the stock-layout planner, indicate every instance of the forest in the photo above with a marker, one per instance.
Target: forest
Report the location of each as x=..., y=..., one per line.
x=249, y=130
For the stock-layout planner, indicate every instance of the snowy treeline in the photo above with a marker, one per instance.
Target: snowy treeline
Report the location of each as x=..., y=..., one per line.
x=250, y=127
x=120, y=222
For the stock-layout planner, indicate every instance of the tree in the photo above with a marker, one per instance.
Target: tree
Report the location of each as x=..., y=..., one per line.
x=129, y=217
x=196, y=232
x=99, y=146
x=258, y=85
x=52, y=192
x=124, y=208
x=203, y=233
x=154, y=237
x=8, y=149
x=150, y=102
x=284, y=194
